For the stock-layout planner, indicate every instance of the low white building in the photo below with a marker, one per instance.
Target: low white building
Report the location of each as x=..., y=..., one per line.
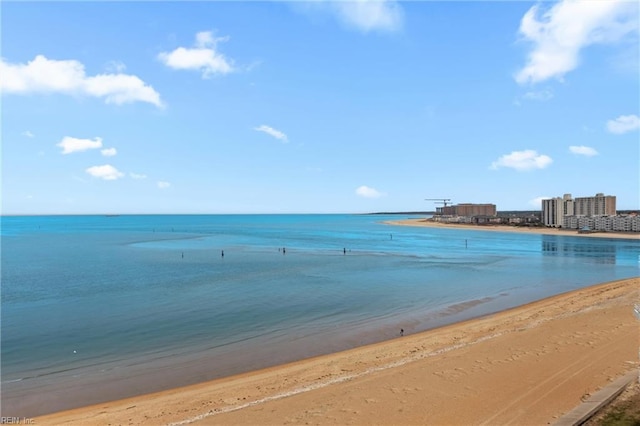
x=452, y=219
x=617, y=223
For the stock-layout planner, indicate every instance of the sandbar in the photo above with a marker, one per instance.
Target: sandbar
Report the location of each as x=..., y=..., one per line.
x=526, y=365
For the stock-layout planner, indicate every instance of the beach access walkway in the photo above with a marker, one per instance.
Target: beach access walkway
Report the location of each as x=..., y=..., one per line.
x=597, y=401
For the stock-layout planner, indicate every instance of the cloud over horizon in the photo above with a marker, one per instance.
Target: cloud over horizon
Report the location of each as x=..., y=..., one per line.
x=45, y=76
x=368, y=192
x=370, y=15
x=522, y=161
x=108, y=152
x=583, y=150
x=540, y=96
x=386, y=16
x=70, y=145
x=105, y=172
x=537, y=202
x=624, y=124
x=203, y=57
x=272, y=132
x=558, y=34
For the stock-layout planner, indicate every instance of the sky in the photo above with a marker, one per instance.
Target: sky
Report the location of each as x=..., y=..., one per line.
x=316, y=107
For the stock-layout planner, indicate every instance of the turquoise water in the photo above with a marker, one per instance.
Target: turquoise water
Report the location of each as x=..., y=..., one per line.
x=97, y=307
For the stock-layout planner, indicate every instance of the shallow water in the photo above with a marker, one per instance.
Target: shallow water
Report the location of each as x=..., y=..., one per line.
x=142, y=303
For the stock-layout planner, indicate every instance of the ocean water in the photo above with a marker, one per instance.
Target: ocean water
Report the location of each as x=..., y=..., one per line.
x=103, y=307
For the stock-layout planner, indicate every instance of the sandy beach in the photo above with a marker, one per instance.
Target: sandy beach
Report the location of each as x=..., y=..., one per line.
x=507, y=228
x=527, y=365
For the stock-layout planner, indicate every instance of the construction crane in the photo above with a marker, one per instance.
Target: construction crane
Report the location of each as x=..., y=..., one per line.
x=444, y=201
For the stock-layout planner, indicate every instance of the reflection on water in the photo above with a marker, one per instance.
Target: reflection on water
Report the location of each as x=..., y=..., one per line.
x=597, y=251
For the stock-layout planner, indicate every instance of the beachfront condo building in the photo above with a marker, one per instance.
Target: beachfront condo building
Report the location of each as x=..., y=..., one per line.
x=467, y=210
x=595, y=206
x=555, y=209
x=618, y=223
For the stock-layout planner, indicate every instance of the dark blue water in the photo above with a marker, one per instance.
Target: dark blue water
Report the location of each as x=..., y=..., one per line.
x=142, y=303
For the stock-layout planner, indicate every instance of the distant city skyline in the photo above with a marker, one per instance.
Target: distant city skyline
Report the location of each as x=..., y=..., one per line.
x=316, y=107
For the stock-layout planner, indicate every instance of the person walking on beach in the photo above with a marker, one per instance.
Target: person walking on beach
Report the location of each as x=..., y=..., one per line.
x=402, y=332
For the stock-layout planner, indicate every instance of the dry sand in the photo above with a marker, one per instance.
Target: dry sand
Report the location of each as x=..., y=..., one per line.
x=519, y=229
x=527, y=365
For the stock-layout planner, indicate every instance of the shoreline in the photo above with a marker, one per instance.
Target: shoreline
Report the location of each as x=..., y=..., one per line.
x=516, y=229
x=378, y=383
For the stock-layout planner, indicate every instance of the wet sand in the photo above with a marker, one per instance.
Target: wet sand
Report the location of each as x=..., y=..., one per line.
x=527, y=365
x=519, y=229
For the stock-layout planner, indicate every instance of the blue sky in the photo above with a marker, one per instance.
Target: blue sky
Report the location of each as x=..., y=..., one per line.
x=293, y=107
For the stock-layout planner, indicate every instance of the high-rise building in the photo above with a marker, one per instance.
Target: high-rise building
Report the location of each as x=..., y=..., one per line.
x=554, y=210
x=593, y=206
x=468, y=209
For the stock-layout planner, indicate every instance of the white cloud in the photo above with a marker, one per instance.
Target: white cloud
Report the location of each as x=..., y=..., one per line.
x=272, y=132
x=115, y=67
x=163, y=184
x=137, y=176
x=537, y=202
x=368, y=192
x=370, y=15
x=106, y=172
x=583, y=150
x=203, y=57
x=28, y=134
x=69, y=144
x=522, y=160
x=44, y=75
x=109, y=152
x=559, y=33
x=121, y=89
x=541, y=95
x=361, y=15
x=624, y=124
